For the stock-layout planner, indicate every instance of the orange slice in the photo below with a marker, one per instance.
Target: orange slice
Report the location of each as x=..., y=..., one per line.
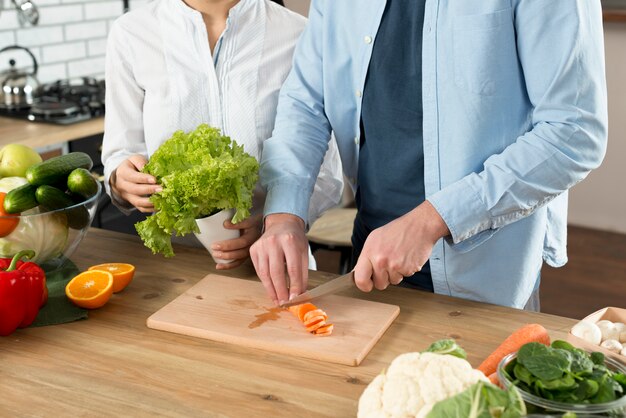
x=122, y=274
x=90, y=289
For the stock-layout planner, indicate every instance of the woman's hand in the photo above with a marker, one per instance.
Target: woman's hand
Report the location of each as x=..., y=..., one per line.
x=129, y=184
x=238, y=249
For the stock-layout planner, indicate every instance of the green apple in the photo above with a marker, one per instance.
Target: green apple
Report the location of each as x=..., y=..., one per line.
x=15, y=160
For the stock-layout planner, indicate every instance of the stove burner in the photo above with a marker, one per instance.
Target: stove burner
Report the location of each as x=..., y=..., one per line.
x=65, y=102
x=48, y=110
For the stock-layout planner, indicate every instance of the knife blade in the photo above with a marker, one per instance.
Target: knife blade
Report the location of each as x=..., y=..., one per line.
x=327, y=288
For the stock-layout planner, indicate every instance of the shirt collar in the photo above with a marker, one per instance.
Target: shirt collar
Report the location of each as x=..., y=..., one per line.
x=236, y=10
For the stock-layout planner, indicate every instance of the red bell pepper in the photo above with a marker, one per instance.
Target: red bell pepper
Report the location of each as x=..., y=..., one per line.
x=23, y=291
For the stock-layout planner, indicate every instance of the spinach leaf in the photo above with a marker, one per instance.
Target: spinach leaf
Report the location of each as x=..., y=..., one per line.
x=531, y=350
x=547, y=366
x=563, y=345
x=482, y=400
x=522, y=374
x=586, y=389
x=564, y=383
x=597, y=358
x=606, y=391
x=621, y=379
x=581, y=363
x=447, y=347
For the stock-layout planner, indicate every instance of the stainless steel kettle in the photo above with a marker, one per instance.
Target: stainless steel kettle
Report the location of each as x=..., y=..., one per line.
x=19, y=88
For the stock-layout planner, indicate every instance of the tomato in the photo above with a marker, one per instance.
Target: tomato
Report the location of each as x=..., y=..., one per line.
x=7, y=222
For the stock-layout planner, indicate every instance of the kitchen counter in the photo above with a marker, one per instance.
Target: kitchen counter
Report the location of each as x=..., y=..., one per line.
x=112, y=364
x=37, y=135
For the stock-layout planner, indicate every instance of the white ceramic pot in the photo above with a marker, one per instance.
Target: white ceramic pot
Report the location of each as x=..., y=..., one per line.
x=212, y=230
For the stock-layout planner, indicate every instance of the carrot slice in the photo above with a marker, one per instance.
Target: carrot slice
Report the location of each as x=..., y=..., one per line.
x=324, y=330
x=311, y=327
x=303, y=309
x=313, y=314
x=313, y=318
x=526, y=334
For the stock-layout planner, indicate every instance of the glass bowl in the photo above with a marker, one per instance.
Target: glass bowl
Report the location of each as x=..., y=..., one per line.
x=616, y=408
x=53, y=235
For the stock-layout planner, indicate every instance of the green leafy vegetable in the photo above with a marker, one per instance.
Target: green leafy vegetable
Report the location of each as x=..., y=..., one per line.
x=565, y=373
x=202, y=172
x=481, y=400
x=447, y=347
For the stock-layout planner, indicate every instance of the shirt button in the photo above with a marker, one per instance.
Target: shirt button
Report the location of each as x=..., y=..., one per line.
x=359, y=93
x=368, y=40
x=356, y=140
x=429, y=28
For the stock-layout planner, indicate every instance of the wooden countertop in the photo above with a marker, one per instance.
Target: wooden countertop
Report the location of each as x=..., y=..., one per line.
x=112, y=364
x=37, y=135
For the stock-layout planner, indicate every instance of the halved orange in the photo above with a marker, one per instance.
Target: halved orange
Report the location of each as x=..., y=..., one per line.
x=122, y=274
x=90, y=289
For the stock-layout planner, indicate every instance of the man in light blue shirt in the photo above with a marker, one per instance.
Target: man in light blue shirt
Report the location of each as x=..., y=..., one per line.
x=514, y=114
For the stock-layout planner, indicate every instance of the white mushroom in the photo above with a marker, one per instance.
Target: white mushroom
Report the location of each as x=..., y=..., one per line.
x=622, y=331
x=623, y=353
x=588, y=331
x=613, y=345
x=609, y=330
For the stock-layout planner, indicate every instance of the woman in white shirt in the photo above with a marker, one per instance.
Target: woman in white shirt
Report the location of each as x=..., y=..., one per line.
x=175, y=64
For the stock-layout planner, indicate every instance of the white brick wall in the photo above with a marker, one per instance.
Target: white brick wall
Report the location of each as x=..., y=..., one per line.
x=69, y=40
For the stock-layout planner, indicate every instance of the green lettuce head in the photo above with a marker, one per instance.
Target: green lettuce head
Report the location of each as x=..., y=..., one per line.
x=201, y=172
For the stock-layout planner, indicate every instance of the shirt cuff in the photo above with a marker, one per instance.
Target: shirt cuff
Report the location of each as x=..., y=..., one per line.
x=288, y=198
x=463, y=211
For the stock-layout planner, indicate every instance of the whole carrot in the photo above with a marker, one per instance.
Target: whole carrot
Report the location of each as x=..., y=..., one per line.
x=493, y=378
x=527, y=334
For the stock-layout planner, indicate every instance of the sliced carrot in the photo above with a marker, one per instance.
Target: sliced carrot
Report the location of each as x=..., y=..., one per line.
x=314, y=314
x=527, y=334
x=312, y=327
x=303, y=309
x=313, y=318
x=325, y=330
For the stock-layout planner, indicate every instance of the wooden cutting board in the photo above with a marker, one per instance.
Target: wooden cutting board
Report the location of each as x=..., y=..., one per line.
x=237, y=311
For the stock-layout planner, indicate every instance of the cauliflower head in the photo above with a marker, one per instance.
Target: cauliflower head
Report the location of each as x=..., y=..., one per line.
x=413, y=383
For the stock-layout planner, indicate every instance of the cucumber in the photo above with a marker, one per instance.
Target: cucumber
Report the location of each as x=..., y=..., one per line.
x=20, y=199
x=57, y=169
x=82, y=183
x=52, y=198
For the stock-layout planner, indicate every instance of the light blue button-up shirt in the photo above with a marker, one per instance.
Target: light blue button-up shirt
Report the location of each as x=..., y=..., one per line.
x=514, y=99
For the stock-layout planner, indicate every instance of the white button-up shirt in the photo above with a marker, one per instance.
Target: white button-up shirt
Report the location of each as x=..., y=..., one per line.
x=161, y=77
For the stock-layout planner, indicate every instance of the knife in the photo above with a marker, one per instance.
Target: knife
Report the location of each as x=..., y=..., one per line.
x=327, y=288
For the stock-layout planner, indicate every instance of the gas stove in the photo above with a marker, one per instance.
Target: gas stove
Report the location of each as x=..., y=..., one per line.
x=64, y=102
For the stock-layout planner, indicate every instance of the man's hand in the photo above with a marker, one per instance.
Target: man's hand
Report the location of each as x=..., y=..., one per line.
x=129, y=184
x=399, y=249
x=238, y=249
x=283, y=244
